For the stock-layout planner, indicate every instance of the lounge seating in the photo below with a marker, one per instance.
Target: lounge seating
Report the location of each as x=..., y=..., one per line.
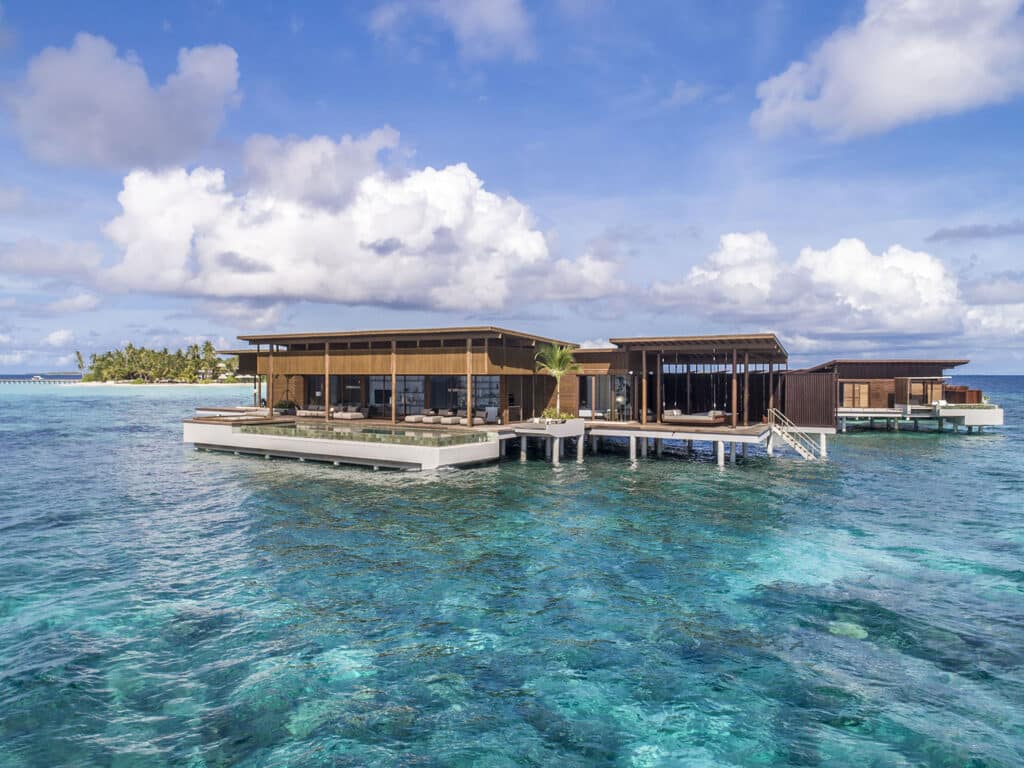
x=479, y=417
x=446, y=416
x=311, y=410
x=708, y=418
x=421, y=417
x=349, y=412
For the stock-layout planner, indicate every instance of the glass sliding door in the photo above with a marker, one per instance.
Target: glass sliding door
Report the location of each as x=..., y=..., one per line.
x=409, y=395
x=379, y=392
x=448, y=392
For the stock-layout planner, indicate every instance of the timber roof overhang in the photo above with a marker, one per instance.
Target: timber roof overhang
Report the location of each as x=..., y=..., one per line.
x=477, y=332
x=761, y=347
x=833, y=365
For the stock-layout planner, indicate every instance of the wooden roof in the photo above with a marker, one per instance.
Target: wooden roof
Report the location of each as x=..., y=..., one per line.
x=488, y=331
x=833, y=364
x=762, y=347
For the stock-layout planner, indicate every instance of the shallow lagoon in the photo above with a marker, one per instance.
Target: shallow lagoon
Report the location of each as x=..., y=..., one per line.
x=160, y=606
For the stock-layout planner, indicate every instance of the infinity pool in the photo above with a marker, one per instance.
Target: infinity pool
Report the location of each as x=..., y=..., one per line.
x=397, y=435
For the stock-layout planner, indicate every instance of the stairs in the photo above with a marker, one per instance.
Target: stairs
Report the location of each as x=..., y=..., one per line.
x=793, y=436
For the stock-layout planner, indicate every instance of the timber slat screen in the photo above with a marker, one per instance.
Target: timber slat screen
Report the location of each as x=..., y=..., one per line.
x=809, y=399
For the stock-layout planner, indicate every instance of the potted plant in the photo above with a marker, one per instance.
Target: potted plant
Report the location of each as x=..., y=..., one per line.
x=284, y=408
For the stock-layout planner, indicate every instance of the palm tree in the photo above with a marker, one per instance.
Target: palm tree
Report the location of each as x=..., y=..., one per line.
x=556, y=361
x=79, y=360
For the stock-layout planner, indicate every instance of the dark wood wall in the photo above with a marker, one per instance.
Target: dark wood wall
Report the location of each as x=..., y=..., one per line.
x=809, y=399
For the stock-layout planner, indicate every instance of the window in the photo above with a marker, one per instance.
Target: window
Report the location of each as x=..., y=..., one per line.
x=315, y=390
x=485, y=392
x=447, y=392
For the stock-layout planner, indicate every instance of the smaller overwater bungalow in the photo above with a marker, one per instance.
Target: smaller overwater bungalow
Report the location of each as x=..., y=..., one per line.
x=422, y=398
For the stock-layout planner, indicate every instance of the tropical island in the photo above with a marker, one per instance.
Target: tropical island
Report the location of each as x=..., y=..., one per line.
x=196, y=364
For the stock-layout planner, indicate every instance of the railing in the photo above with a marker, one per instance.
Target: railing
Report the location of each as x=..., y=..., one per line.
x=793, y=436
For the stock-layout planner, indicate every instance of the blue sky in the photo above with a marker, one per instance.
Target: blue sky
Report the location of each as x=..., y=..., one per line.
x=848, y=175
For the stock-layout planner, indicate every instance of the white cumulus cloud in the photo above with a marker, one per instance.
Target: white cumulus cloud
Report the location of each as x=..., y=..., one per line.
x=86, y=105
x=906, y=60
x=842, y=290
x=316, y=170
x=432, y=238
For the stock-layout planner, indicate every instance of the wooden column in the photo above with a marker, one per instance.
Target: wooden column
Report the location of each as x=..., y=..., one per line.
x=258, y=385
x=469, y=382
x=771, y=388
x=660, y=402
x=503, y=400
x=394, y=382
x=734, y=383
x=270, y=378
x=689, y=401
x=643, y=387
x=327, y=381
x=593, y=397
x=746, y=388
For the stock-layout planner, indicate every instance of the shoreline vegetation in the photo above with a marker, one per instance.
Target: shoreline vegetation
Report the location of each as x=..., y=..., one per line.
x=136, y=366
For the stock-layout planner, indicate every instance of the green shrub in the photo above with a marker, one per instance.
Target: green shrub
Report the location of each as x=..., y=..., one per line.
x=552, y=413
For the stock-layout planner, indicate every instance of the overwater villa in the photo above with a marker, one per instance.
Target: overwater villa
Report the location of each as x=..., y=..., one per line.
x=423, y=398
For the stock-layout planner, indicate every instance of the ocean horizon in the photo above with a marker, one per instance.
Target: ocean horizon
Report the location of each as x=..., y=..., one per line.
x=162, y=606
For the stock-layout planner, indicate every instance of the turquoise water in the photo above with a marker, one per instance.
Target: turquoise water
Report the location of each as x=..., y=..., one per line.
x=161, y=606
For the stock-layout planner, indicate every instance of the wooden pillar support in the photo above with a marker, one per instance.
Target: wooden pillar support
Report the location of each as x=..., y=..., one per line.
x=469, y=382
x=327, y=381
x=734, y=388
x=659, y=404
x=771, y=387
x=689, y=403
x=394, y=382
x=643, y=387
x=746, y=389
x=270, y=378
x=632, y=448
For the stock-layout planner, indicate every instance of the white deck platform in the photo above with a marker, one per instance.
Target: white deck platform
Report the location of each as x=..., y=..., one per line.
x=225, y=437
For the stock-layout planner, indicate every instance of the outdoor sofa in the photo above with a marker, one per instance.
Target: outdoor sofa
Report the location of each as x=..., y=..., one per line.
x=349, y=412
x=705, y=419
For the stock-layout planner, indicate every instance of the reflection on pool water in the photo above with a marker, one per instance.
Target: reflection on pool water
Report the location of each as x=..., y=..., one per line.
x=370, y=434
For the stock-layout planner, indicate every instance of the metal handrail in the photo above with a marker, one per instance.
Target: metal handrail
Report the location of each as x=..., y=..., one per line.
x=790, y=428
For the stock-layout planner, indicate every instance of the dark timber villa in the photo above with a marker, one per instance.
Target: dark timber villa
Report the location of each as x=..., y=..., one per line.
x=442, y=396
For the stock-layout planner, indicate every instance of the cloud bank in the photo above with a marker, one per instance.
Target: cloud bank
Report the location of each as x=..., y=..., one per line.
x=314, y=225
x=86, y=105
x=845, y=291
x=906, y=60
